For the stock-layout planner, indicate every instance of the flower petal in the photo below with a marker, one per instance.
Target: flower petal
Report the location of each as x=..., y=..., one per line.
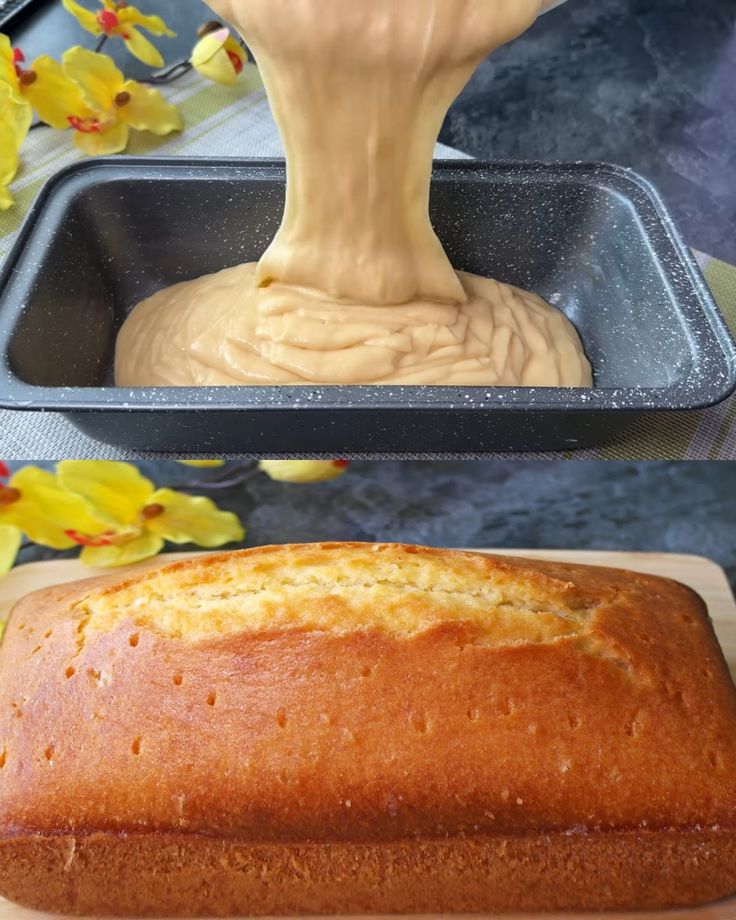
x=149, y=111
x=8, y=155
x=86, y=18
x=32, y=518
x=7, y=64
x=208, y=46
x=213, y=54
x=189, y=519
x=143, y=49
x=54, y=95
x=114, y=492
x=10, y=540
x=126, y=553
x=113, y=138
x=233, y=45
x=303, y=471
x=15, y=113
x=99, y=79
x=219, y=68
x=45, y=511
x=9, y=162
x=153, y=24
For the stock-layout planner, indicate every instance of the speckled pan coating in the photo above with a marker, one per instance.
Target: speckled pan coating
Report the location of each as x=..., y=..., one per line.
x=593, y=239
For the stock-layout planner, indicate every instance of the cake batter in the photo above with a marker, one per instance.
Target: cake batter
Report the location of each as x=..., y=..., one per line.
x=356, y=288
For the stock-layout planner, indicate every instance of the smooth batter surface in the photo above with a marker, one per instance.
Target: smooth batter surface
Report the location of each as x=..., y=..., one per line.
x=356, y=287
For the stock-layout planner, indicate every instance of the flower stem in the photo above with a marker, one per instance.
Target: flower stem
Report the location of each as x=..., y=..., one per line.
x=244, y=475
x=101, y=43
x=168, y=76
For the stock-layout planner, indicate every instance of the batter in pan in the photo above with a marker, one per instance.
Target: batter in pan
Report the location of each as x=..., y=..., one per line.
x=356, y=287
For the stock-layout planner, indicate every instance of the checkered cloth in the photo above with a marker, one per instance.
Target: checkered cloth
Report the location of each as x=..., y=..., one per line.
x=222, y=121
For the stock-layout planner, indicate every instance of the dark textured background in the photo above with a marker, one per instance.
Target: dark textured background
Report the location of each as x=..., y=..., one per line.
x=648, y=84
x=667, y=507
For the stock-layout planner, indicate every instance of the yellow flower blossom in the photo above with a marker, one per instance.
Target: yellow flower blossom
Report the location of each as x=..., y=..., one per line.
x=10, y=540
x=9, y=161
x=107, y=105
x=304, y=471
x=35, y=87
x=35, y=503
x=218, y=56
x=15, y=111
x=139, y=518
x=117, y=18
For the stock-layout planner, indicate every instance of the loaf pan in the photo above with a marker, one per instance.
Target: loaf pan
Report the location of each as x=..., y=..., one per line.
x=595, y=240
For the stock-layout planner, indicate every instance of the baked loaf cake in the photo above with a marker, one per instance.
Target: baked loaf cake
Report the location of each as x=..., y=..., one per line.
x=349, y=728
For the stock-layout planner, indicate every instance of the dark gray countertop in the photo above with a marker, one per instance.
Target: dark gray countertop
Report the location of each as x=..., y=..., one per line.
x=648, y=84
x=665, y=507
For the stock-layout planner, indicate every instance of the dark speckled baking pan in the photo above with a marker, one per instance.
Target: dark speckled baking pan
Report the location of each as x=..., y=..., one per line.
x=594, y=240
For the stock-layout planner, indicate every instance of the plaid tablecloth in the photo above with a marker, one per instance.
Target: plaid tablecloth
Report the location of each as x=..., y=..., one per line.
x=221, y=121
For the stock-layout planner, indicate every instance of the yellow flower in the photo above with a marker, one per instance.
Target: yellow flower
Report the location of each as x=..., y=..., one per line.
x=36, y=87
x=35, y=502
x=15, y=111
x=218, y=56
x=138, y=518
x=118, y=18
x=10, y=540
x=107, y=105
x=304, y=471
x=8, y=164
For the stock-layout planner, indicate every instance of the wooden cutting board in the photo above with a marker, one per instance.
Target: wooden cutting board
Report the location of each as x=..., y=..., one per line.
x=704, y=576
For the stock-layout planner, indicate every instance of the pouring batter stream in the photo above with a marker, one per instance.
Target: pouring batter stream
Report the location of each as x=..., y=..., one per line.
x=356, y=287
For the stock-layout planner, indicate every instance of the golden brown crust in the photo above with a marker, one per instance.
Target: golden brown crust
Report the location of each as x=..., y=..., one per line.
x=169, y=875
x=342, y=588
x=628, y=724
